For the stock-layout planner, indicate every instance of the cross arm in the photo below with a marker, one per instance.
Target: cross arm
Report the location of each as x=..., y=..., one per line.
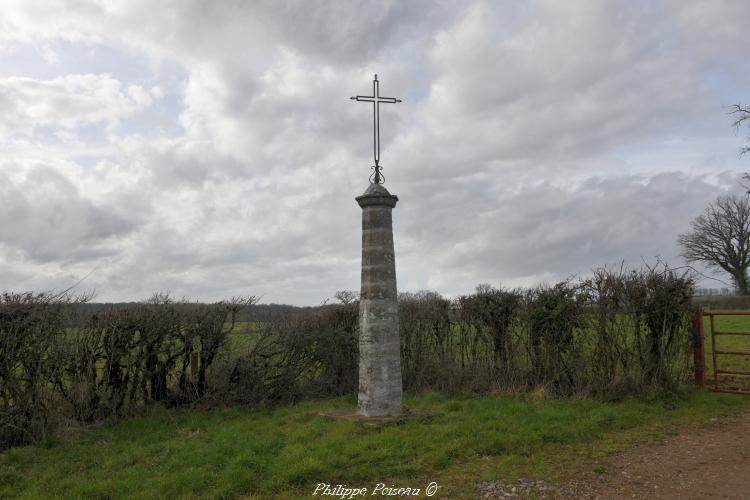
x=369, y=98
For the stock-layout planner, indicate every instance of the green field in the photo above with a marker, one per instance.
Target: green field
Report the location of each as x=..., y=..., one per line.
x=236, y=452
x=243, y=337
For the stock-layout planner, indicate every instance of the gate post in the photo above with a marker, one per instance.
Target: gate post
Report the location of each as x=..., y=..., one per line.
x=699, y=353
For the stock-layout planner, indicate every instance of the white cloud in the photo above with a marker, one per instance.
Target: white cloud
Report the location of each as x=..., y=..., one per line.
x=67, y=102
x=534, y=141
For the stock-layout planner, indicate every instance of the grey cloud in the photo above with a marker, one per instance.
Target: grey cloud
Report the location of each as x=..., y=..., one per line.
x=46, y=218
x=353, y=32
x=556, y=230
x=510, y=152
x=338, y=32
x=715, y=32
x=560, y=86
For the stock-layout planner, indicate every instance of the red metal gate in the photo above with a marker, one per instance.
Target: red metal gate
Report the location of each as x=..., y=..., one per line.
x=700, y=354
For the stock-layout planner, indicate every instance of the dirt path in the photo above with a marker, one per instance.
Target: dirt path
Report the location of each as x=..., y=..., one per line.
x=709, y=463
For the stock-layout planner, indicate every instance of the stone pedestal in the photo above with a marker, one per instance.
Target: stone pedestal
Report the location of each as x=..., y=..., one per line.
x=380, y=388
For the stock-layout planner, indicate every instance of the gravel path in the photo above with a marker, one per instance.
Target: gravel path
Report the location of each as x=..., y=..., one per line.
x=709, y=463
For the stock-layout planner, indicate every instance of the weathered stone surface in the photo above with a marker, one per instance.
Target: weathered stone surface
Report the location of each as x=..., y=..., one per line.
x=380, y=389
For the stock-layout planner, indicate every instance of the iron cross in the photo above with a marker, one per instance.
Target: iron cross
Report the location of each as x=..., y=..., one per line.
x=376, y=99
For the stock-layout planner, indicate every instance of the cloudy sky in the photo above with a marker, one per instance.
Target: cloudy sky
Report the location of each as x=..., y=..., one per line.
x=210, y=149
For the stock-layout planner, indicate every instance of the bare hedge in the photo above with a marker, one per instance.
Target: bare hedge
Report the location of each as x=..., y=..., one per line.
x=614, y=334
x=109, y=364
x=617, y=333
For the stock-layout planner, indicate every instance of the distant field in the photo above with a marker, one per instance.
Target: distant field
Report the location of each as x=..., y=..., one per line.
x=285, y=452
x=243, y=337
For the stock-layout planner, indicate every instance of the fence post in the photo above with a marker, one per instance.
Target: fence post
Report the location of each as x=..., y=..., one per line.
x=699, y=353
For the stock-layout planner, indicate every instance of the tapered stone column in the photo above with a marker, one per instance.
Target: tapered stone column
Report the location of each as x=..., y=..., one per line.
x=380, y=389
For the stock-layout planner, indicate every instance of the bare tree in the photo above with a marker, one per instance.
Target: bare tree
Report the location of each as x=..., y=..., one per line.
x=720, y=238
x=741, y=116
x=346, y=297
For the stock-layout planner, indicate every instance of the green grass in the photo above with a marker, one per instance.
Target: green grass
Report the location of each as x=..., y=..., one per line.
x=235, y=452
x=241, y=339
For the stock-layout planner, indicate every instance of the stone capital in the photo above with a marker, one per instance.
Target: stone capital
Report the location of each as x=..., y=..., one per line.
x=377, y=195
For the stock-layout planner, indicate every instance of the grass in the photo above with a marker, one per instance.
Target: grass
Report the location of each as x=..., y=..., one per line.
x=240, y=341
x=236, y=452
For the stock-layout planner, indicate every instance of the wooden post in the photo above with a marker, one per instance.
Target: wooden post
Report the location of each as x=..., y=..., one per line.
x=699, y=352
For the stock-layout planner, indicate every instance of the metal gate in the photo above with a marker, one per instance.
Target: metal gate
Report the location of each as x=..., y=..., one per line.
x=717, y=354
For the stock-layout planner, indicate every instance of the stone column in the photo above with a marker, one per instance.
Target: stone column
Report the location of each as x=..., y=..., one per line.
x=380, y=387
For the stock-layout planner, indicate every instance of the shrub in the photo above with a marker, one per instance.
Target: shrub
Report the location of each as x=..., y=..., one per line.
x=31, y=328
x=310, y=354
x=554, y=319
x=110, y=364
x=642, y=325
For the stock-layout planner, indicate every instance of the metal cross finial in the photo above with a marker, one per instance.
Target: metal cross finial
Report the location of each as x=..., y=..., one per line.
x=376, y=99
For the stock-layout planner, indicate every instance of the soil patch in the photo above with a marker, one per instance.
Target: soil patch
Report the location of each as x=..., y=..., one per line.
x=713, y=462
